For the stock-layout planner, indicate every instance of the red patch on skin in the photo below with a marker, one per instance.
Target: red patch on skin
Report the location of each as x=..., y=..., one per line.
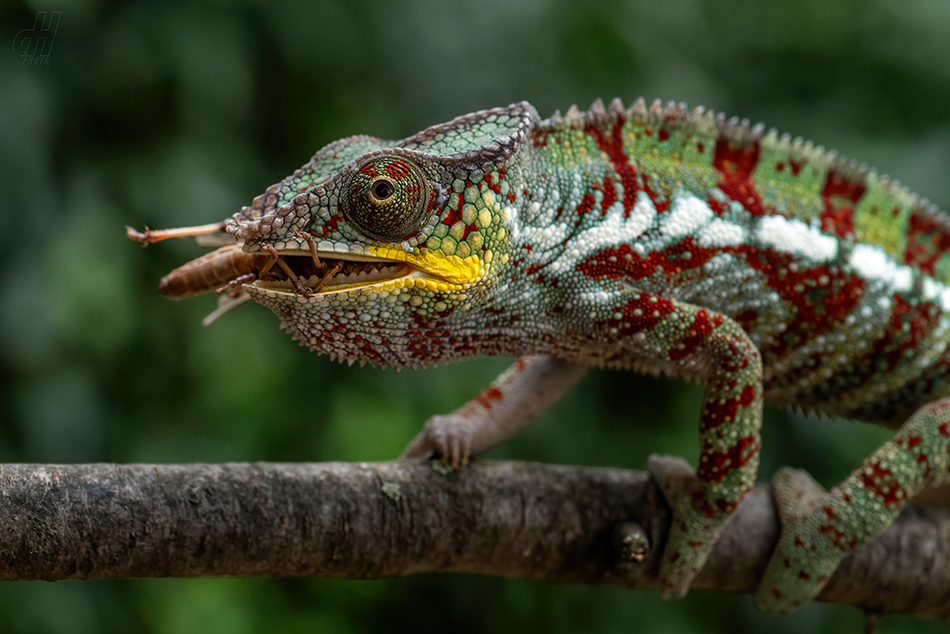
x=642, y=313
x=927, y=242
x=695, y=336
x=736, y=164
x=717, y=206
x=716, y=465
x=587, y=203
x=495, y=187
x=369, y=170
x=539, y=137
x=453, y=216
x=840, y=197
x=331, y=225
x=747, y=397
x=726, y=506
x=944, y=430
x=881, y=481
x=804, y=575
x=837, y=536
x=715, y=413
x=487, y=396
x=397, y=170
x=628, y=263
x=910, y=324
x=796, y=167
x=614, y=149
x=422, y=336
x=610, y=195
x=663, y=135
x=818, y=307
x=433, y=198
x=342, y=331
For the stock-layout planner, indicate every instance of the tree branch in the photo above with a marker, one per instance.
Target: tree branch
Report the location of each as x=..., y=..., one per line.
x=360, y=521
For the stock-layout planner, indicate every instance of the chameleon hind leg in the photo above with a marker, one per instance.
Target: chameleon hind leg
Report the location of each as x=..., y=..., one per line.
x=821, y=528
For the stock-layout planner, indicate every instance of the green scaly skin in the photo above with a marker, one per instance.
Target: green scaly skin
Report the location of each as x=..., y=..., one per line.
x=653, y=240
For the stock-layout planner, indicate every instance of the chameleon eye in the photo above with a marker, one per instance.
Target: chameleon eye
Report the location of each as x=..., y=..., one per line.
x=386, y=198
x=383, y=189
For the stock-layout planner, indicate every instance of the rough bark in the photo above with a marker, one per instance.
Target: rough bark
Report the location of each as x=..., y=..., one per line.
x=551, y=523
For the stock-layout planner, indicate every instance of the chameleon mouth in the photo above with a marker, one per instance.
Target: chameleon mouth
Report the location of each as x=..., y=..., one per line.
x=309, y=272
x=300, y=273
x=305, y=273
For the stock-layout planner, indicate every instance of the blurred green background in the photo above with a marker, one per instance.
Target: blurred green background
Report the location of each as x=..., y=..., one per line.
x=174, y=113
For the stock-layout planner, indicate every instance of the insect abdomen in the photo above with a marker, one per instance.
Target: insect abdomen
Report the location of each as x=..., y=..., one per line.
x=211, y=271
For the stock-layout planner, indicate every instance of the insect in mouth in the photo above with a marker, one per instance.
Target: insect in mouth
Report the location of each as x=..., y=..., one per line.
x=228, y=269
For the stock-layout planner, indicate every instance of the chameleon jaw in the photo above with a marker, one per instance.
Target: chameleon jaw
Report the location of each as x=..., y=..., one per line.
x=345, y=272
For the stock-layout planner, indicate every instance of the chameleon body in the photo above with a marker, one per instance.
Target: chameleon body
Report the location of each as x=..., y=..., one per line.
x=650, y=239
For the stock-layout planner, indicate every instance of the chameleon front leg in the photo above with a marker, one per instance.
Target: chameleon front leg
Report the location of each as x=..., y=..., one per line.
x=516, y=397
x=694, y=341
x=820, y=528
x=676, y=334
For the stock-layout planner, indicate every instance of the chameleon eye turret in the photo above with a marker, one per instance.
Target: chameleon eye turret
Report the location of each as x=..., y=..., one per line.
x=386, y=198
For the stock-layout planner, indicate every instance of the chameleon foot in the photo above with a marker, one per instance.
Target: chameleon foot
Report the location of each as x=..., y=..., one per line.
x=797, y=571
x=521, y=392
x=695, y=526
x=450, y=436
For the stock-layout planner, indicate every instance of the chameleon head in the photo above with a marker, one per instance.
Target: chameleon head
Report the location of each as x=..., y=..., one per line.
x=406, y=236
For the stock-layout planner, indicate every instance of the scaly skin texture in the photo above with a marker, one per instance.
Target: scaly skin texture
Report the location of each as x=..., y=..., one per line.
x=652, y=240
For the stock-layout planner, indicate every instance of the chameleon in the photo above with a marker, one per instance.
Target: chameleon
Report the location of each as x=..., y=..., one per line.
x=649, y=238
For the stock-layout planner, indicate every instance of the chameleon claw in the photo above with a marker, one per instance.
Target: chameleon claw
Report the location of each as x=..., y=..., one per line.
x=446, y=436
